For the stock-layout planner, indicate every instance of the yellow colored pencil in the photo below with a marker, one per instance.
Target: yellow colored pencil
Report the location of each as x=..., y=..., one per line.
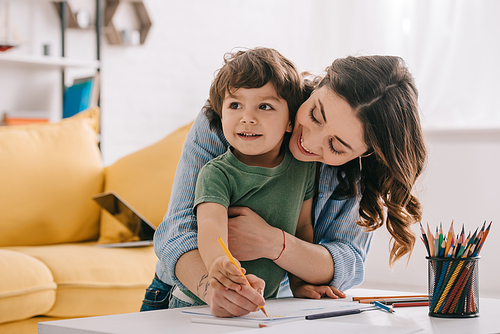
x=448, y=286
x=233, y=261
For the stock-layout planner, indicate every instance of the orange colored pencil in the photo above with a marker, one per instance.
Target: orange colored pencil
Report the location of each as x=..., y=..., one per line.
x=483, y=238
x=373, y=298
x=449, y=239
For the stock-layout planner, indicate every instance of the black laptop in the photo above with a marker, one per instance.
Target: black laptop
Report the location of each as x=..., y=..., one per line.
x=129, y=217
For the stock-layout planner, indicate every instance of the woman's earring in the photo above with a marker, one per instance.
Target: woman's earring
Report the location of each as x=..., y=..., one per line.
x=363, y=156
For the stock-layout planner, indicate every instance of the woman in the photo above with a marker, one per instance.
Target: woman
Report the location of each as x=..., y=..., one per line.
x=361, y=124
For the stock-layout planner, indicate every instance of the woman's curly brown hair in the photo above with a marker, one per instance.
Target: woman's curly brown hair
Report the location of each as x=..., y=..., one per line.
x=382, y=92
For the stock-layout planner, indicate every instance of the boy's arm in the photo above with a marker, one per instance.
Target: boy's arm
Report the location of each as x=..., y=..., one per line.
x=212, y=224
x=304, y=226
x=304, y=232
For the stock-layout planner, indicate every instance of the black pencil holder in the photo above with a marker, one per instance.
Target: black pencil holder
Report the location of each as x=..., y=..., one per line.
x=453, y=287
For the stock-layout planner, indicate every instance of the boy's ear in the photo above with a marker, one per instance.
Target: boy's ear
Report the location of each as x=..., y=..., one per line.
x=289, y=127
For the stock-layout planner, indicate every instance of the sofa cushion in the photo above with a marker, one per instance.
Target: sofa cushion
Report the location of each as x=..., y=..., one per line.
x=144, y=180
x=27, y=287
x=94, y=280
x=25, y=326
x=48, y=174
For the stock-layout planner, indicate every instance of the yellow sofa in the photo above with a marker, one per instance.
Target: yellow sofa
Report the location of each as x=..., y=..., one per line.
x=51, y=265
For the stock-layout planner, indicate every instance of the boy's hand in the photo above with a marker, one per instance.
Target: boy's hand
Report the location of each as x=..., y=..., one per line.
x=229, y=294
x=303, y=289
x=229, y=303
x=226, y=274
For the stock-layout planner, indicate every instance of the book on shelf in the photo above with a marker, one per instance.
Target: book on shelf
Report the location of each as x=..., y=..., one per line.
x=20, y=120
x=83, y=94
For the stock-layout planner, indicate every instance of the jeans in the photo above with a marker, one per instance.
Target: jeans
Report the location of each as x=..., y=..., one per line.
x=176, y=303
x=157, y=296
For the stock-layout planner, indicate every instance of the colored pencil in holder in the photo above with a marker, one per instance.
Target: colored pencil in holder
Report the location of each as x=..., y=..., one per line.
x=453, y=270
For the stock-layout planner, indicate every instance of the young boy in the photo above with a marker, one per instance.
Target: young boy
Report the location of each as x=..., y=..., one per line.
x=253, y=99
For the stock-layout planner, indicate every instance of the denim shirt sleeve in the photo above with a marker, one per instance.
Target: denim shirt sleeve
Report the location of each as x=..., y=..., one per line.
x=177, y=234
x=336, y=229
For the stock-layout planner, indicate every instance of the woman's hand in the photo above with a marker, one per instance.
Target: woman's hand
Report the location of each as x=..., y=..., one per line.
x=303, y=289
x=225, y=302
x=250, y=237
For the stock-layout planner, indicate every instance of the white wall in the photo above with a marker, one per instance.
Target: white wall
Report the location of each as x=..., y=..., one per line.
x=459, y=184
x=151, y=90
x=450, y=45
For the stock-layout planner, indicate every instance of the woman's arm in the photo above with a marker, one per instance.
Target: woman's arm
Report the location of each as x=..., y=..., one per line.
x=250, y=238
x=300, y=287
x=340, y=245
x=306, y=268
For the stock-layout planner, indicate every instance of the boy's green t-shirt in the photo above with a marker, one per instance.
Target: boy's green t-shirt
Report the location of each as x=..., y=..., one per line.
x=276, y=194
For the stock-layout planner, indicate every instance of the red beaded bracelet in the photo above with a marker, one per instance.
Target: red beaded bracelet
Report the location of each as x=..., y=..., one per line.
x=284, y=246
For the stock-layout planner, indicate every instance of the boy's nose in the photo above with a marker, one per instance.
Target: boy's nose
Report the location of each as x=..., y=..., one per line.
x=248, y=118
x=248, y=121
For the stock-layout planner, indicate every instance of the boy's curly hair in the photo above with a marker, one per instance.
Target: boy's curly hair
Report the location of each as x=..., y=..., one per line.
x=254, y=68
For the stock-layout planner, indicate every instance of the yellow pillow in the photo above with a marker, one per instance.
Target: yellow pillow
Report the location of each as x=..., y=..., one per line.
x=144, y=180
x=48, y=174
x=27, y=287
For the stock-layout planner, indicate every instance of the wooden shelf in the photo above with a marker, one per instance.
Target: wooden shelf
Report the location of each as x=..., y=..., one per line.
x=50, y=106
x=113, y=36
x=48, y=61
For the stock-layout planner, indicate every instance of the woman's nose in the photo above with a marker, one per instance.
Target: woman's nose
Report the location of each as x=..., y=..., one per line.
x=313, y=142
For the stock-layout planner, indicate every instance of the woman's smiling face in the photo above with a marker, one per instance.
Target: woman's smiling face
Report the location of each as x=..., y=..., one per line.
x=327, y=130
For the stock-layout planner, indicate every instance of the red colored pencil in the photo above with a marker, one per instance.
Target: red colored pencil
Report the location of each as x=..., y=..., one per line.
x=414, y=304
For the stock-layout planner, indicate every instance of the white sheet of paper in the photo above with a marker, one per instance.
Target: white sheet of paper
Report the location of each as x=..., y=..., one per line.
x=325, y=326
x=289, y=308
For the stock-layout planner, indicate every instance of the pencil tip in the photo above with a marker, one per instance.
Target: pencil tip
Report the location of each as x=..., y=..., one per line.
x=263, y=310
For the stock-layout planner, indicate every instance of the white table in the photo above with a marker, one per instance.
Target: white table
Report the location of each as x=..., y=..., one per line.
x=174, y=321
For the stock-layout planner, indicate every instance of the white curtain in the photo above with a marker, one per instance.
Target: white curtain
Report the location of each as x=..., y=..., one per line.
x=451, y=46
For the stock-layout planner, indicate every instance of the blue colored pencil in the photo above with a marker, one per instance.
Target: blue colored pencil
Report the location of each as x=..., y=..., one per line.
x=383, y=307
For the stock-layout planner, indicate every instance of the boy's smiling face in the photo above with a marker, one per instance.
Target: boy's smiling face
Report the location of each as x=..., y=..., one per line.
x=254, y=121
